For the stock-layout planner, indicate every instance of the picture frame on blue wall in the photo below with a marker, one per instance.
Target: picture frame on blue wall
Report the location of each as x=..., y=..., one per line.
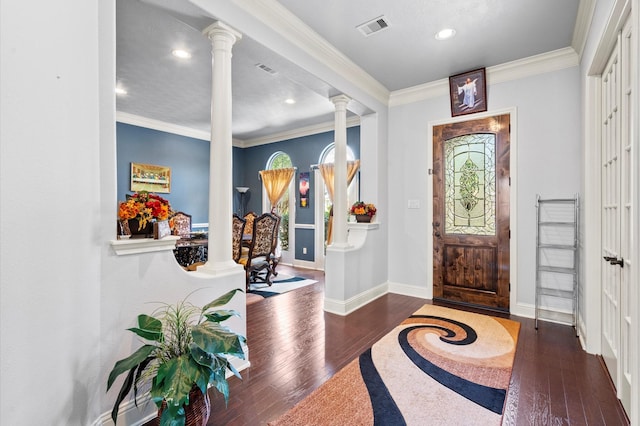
x=304, y=189
x=151, y=178
x=468, y=92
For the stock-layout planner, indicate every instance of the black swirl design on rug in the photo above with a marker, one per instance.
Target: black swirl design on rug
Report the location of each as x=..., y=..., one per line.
x=488, y=397
x=385, y=410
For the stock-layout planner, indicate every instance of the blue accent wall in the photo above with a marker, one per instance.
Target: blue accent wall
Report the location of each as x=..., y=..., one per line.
x=187, y=157
x=304, y=152
x=189, y=162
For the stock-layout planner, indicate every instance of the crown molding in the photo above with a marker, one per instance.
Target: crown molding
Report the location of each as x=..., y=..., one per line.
x=515, y=70
x=282, y=21
x=150, y=123
x=297, y=133
x=586, y=9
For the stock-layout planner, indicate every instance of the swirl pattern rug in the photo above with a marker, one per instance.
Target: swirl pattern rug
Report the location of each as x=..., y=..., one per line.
x=440, y=366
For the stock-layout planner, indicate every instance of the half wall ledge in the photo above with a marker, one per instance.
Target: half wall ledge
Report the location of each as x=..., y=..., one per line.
x=143, y=245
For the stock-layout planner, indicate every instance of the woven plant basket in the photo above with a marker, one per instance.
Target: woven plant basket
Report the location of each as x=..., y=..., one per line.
x=197, y=412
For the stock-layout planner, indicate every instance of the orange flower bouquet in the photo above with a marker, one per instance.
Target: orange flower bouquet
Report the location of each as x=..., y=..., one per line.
x=145, y=207
x=361, y=208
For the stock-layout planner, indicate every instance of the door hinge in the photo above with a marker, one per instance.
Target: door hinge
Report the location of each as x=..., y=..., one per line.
x=430, y=171
x=509, y=233
x=509, y=180
x=509, y=286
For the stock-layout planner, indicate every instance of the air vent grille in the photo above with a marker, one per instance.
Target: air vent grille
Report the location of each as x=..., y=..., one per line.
x=375, y=25
x=265, y=68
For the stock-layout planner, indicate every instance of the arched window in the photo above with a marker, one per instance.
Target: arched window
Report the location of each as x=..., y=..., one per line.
x=328, y=155
x=281, y=160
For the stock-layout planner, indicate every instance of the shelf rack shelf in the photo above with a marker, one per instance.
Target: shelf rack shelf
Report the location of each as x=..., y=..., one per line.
x=557, y=259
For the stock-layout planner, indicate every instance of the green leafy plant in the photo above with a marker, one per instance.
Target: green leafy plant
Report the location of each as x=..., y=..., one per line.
x=188, y=348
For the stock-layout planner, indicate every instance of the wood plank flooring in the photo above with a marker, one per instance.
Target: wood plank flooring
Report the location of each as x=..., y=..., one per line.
x=295, y=346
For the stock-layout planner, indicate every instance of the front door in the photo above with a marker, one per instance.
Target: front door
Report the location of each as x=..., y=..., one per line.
x=471, y=212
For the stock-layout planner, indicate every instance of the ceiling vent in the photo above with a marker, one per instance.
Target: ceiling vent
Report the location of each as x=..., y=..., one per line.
x=265, y=68
x=373, y=26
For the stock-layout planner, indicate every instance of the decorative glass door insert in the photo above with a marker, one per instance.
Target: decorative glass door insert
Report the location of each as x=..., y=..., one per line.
x=470, y=184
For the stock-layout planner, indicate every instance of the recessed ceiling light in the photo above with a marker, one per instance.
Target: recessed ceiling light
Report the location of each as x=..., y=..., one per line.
x=290, y=101
x=182, y=54
x=445, y=34
x=120, y=91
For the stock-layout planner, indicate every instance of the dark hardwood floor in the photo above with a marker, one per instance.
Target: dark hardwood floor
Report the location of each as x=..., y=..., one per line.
x=295, y=346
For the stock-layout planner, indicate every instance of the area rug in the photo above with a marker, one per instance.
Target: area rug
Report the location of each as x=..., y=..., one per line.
x=440, y=366
x=281, y=284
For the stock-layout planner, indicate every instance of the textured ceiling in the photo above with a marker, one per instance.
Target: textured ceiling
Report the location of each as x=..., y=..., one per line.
x=161, y=87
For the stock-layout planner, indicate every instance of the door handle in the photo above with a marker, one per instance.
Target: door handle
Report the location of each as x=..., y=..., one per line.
x=615, y=261
x=608, y=258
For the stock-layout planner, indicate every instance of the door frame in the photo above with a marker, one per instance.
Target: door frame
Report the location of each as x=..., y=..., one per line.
x=515, y=309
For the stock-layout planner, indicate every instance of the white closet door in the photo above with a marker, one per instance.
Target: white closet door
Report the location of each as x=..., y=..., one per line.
x=628, y=67
x=611, y=213
x=617, y=214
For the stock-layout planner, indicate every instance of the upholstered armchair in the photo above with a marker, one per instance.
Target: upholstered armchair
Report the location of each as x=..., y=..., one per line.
x=182, y=224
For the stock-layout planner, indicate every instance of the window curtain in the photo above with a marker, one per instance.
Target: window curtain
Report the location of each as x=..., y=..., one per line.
x=276, y=182
x=327, y=172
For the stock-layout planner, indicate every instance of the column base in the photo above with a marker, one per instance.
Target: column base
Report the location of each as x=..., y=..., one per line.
x=220, y=268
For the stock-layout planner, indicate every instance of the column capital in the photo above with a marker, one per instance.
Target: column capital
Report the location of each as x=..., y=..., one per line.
x=220, y=28
x=340, y=100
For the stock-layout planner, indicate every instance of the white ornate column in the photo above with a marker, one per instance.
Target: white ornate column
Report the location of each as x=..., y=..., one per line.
x=340, y=173
x=220, y=258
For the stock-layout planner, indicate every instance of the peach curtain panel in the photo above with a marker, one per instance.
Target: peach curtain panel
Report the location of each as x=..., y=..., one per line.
x=327, y=172
x=276, y=182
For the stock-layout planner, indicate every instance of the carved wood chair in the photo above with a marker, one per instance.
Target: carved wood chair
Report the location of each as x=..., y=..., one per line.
x=257, y=263
x=248, y=230
x=237, y=234
x=274, y=257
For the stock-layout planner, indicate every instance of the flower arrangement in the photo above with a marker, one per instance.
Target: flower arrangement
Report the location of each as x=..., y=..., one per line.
x=145, y=207
x=362, y=208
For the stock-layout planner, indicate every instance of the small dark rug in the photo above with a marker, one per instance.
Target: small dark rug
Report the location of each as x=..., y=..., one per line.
x=281, y=284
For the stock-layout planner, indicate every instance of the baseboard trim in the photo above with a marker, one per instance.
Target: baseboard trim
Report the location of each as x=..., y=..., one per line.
x=340, y=307
x=410, y=290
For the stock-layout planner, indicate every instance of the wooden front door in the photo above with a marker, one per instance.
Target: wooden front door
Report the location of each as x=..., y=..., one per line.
x=471, y=212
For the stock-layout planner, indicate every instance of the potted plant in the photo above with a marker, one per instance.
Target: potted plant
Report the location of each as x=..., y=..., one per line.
x=187, y=353
x=363, y=211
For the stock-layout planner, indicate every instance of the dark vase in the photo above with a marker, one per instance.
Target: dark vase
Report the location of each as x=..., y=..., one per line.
x=197, y=412
x=363, y=218
x=145, y=232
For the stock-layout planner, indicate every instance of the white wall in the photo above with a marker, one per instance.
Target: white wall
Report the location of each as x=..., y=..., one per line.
x=548, y=163
x=65, y=298
x=49, y=212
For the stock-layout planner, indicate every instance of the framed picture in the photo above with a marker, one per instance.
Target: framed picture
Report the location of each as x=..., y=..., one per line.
x=468, y=92
x=149, y=177
x=161, y=229
x=304, y=189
